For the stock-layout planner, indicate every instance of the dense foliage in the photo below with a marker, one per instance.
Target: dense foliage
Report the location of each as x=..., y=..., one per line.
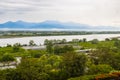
x=60, y=61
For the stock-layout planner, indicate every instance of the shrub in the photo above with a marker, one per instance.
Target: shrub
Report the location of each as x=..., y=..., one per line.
x=99, y=69
x=7, y=58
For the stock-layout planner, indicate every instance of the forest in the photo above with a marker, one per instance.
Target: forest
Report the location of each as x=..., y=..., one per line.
x=63, y=60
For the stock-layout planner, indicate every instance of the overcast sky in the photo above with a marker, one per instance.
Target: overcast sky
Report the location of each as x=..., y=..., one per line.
x=92, y=12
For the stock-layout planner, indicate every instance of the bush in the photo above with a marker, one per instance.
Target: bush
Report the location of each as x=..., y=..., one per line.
x=94, y=41
x=37, y=55
x=63, y=49
x=7, y=58
x=99, y=69
x=10, y=74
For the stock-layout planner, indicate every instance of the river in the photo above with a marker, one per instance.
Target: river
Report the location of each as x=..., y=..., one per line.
x=40, y=39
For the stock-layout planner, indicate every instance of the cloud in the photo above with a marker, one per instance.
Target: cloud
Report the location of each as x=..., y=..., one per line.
x=22, y=5
x=93, y=12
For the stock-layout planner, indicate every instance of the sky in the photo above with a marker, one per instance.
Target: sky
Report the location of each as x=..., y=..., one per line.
x=91, y=12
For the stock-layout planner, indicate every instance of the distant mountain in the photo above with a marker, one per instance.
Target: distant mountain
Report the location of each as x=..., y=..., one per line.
x=49, y=25
x=43, y=25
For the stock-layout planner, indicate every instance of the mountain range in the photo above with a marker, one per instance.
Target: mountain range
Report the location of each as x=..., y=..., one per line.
x=50, y=25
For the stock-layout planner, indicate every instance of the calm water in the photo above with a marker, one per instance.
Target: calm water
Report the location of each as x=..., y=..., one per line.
x=40, y=39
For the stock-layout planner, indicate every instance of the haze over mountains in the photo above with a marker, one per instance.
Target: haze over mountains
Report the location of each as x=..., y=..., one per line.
x=51, y=25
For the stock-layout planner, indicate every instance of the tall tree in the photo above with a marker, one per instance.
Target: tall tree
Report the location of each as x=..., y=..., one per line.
x=49, y=47
x=31, y=43
x=74, y=64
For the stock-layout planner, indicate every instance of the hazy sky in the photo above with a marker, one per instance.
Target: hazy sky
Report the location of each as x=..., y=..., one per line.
x=92, y=12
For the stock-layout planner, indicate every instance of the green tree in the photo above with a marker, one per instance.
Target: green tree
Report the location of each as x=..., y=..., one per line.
x=7, y=58
x=107, y=39
x=106, y=55
x=117, y=44
x=63, y=41
x=37, y=55
x=2, y=75
x=99, y=69
x=8, y=45
x=33, y=70
x=94, y=41
x=17, y=45
x=46, y=41
x=84, y=40
x=63, y=49
x=73, y=65
x=51, y=65
x=49, y=47
x=16, y=49
x=114, y=39
x=12, y=74
x=31, y=43
x=75, y=41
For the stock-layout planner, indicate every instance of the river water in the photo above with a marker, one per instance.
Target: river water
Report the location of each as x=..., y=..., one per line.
x=40, y=39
